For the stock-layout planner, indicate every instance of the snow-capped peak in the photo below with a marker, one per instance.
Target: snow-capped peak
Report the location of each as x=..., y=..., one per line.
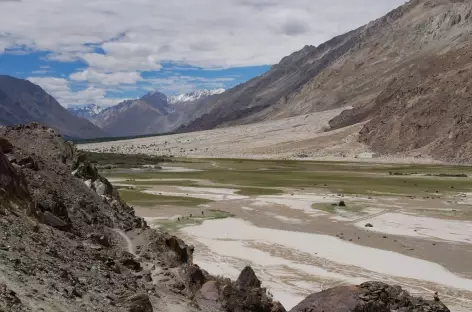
x=193, y=96
x=86, y=110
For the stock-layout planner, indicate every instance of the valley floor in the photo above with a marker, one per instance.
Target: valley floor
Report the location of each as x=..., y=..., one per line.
x=302, y=225
x=300, y=137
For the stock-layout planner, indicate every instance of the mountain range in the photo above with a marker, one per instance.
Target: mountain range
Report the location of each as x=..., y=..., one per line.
x=23, y=102
x=85, y=111
x=404, y=78
x=152, y=113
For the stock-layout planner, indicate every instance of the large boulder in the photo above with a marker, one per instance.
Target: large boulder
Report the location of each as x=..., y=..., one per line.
x=52, y=220
x=5, y=146
x=210, y=291
x=248, y=278
x=183, y=252
x=9, y=300
x=368, y=297
x=11, y=180
x=139, y=303
x=246, y=294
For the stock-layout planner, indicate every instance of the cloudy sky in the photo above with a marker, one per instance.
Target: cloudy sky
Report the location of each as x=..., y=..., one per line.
x=103, y=51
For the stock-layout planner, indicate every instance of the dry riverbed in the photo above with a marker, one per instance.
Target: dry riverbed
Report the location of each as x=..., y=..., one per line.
x=302, y=226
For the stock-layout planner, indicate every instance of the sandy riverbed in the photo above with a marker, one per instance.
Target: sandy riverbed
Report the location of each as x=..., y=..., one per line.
x=297, y=250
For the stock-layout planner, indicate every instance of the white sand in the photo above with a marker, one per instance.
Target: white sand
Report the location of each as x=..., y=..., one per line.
x=302, y=202
x=216, y=194
x=283, y=138
x=410, y=225
x=179, y=169
x=222, y=236
x=288, y=220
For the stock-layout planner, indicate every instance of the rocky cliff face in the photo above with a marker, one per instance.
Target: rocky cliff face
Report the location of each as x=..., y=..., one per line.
x=23, y=102
x=63, y=247
x=368, y=297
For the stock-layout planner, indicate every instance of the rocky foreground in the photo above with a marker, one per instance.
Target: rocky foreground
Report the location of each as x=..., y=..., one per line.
x=63, y=247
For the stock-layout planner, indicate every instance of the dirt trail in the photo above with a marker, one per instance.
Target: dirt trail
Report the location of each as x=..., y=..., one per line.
x=129, y=244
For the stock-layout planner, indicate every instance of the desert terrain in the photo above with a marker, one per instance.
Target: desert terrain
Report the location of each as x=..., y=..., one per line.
x=301, y=137
x=305, y=226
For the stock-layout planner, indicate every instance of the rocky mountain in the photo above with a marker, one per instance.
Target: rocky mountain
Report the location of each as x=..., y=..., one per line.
x=153, y=113
x=68, y=242
x=193, y=96
x=134, y=117
x=406, y=73
x=22, y=102
x=85, y=111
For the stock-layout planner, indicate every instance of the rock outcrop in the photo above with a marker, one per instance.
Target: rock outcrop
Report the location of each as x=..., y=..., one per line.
x=60, y=248
x=368, y=297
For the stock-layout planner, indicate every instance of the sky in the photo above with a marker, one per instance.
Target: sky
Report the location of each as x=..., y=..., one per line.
x=105, y=51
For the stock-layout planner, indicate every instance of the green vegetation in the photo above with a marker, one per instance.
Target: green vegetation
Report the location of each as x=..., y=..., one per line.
x=138, y=198
x=448, y=175
x=267, y=177
x=111, y=160
x=174, y=225
x=245, y=191
x=329, y=208
x=255, y=191
x=162, y=182
x=113, y=139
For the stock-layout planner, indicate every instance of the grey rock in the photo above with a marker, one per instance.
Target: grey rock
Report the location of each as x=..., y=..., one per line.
x=248, y=279
x=49, y=219
x=139, y=303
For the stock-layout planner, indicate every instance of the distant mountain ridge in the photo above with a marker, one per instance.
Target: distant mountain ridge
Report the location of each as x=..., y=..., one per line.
x=22, y=102
x=153, y=113
x=87, y=111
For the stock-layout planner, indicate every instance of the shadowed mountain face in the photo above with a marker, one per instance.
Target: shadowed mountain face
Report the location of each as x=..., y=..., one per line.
x=153, y=113
x=401, y=72
x=23, y=102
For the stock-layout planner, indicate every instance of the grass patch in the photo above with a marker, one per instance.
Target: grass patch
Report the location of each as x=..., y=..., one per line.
x=112, y=160
x=329, y=208
x=245, y=191
x=138, y=198
x=256, y=191
x=256, y=176
x=161, y=182
x=174, y=225
x=448, y=175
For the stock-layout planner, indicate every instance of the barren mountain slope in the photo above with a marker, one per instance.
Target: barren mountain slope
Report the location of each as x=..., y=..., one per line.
x=22, y=102
x=354, y=69
x=151, y=114
x=428, y=108
x=65, y=241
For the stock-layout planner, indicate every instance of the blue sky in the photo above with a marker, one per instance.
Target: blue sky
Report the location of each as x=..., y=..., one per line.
x=171, y=79
x=104, y=51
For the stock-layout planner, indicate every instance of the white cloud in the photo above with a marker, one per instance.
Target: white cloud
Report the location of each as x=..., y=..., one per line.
x=107, y=79
x=138, y=35
x=119, y=39
x=60, y=89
